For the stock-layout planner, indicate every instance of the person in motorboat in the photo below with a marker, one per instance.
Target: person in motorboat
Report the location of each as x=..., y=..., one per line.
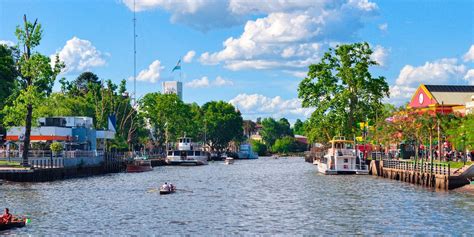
x=165, y=186
x=6, y=217
x=171, y=187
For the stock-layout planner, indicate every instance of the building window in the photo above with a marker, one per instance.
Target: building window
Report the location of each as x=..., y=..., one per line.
x=346, y=160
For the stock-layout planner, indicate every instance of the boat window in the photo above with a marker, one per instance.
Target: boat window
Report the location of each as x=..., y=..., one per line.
x=170, y=153
x=346, y=160
x=176, y=153
x=190, y=153
x=180, y=140
x=198, y=153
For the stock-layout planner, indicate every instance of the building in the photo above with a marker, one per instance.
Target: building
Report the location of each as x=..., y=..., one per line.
x=441, y=98
x=173, y=87
x=76, y=133
x=470, y=106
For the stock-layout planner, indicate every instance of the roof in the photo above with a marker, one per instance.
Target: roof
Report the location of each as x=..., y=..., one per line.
x=451, y=94
x=450, y=88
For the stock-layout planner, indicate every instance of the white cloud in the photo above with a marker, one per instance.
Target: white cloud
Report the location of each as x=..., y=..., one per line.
x=205, y=82
x=294, y=37
x=189, y=56
x=380, y=55
x=197, y=83
x=7, y=43
x=152, y=73
x=443, y=71
x=383, y=27
x=469, y=56
x=79, y=55
x=255, y=105
x=469, y=77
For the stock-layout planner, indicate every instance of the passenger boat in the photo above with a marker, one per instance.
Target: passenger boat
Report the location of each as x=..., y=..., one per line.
x=185, y=154
x=14, y=224
x=246, y=152
x=229, y=161
x=167, y=190
x=341, y=158
x=139, y=164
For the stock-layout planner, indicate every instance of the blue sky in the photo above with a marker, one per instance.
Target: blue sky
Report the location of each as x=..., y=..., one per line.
x=251, y=53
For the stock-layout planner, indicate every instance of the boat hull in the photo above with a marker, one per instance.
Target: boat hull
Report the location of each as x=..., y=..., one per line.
x=131, y=168
x=195, y=160
x=11, y=225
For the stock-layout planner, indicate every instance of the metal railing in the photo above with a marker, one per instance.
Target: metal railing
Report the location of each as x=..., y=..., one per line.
x=420, y=166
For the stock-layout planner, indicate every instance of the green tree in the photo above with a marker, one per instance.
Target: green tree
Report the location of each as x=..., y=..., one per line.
x=258, y=147
x=342, y=91
x=36, y=74
x=249, y=127
x=8, y=73
x=83, y=80
x=298, y=127
x=284, y=145
x=168, y=117
x=222, y=123
x=272, y=130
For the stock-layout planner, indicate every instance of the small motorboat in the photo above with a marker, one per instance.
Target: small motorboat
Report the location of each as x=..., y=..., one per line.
x=167, y=189
x=229, y=161
x=139, y=164
x=16, y=223
x=275, y=157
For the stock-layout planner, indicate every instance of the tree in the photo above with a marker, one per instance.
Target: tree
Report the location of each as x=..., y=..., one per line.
x=222, y=123
x=36, y=74
x=168, y=116
x=258, y=147
x=284, y=145
x=8, y=73
x=83, y=80
x=342, y=91
x=298, y=127
x=272, y=130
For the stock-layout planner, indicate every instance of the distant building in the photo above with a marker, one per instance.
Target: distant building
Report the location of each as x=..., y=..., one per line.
x=255, y=135
x=442, y=98
x=173, y=87
x=76, y=133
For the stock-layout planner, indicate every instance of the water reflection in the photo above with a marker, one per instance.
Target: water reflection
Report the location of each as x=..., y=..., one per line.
x=265, y=196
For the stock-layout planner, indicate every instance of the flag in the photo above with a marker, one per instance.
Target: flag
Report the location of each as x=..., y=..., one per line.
x=178, y=66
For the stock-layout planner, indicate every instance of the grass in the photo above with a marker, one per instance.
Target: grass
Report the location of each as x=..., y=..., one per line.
x=453, y=164
x=10, y=164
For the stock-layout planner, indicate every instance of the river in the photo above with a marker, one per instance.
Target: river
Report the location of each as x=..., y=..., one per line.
x=265, y=196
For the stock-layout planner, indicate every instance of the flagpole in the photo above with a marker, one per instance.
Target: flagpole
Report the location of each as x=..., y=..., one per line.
x=134, y=57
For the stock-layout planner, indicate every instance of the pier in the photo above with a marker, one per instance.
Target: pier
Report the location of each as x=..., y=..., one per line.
x=438, y=176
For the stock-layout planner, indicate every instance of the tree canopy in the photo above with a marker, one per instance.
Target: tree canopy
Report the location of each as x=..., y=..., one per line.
x=273, y=130
x=342, y=91
x=222, y=124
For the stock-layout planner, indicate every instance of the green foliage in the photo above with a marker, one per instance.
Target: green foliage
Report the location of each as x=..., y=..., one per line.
x=56, y=147
x=298, y=127
x=83, y=80
x=258, y=147
x=222, y=123
x=461, y=132
x=249, y=127
x=342, y=91
x=284, y=145
x=272, y=130
x=14, y=114
x=169, y=116
x=8, y=73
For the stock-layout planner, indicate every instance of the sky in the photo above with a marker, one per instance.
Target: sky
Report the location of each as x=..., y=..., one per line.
x=250, y=53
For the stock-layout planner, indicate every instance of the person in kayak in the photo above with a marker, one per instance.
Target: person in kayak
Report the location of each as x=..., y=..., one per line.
x=6, y=217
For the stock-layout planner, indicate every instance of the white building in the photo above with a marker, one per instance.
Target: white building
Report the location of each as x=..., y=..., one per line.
x=173, y=87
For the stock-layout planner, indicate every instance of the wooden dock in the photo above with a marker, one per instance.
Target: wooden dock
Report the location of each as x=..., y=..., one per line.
x=438, y=176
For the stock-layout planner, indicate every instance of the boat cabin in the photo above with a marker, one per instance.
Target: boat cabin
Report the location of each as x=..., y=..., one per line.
x=342, y=157
x=184, y=144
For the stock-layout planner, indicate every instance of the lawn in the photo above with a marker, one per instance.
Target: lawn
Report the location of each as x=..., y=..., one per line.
x=9, y=164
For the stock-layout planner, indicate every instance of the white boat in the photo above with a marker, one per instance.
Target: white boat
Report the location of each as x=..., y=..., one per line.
x=341, y=158
x=229, y=161
x=185, y=154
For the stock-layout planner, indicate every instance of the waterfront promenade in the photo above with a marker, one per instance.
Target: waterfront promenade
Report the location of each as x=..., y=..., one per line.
x=283, y=196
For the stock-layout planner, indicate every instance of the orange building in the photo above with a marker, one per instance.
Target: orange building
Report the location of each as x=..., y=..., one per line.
x=442, y=98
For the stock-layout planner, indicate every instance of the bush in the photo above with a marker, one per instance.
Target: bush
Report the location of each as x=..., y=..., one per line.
x=259, y=147
x=56, y=147
x=284, y=145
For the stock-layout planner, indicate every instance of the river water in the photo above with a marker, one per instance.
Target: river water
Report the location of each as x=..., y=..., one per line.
x=264, y=196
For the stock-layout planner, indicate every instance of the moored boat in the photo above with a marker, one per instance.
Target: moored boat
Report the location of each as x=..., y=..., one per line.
x=341, y=158
x=246, y=152
x=229, y=161
x=139, y=164
x=185, y=154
